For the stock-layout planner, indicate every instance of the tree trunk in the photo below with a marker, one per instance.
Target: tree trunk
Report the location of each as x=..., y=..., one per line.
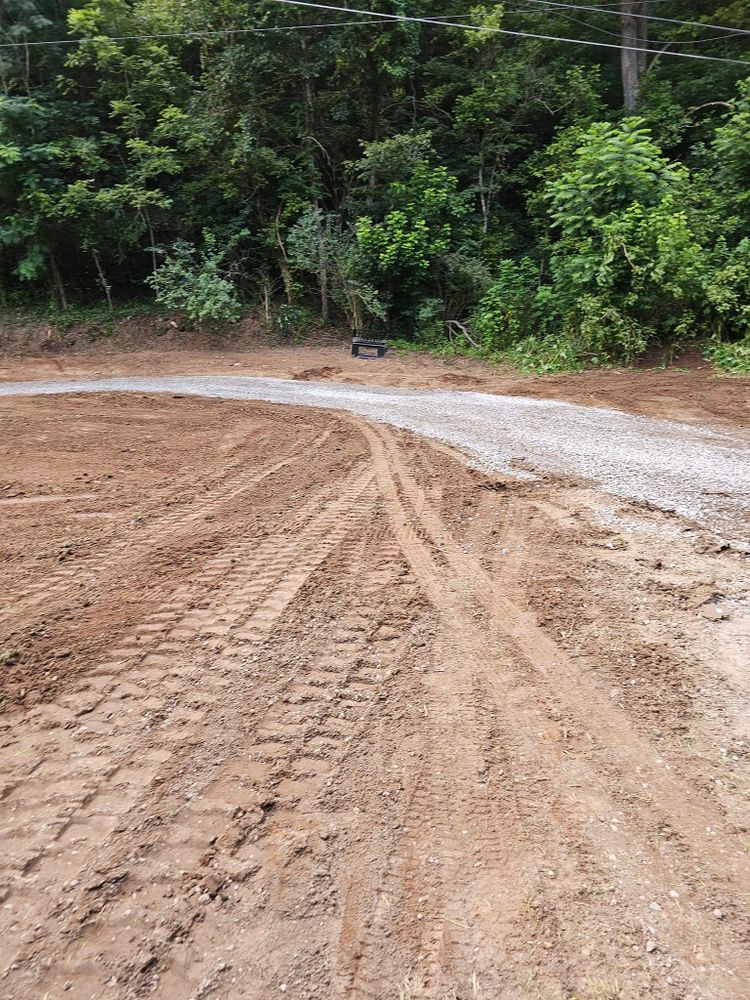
x=323, y=266
x=629, y=62
x=286, y=271
x=27, y=68
x=642, y=38
x=59, y=287
x=267, y=298
x=286, y=277
x=103, y=280
x=357, y=314
x=145, y=215
x=483, y=200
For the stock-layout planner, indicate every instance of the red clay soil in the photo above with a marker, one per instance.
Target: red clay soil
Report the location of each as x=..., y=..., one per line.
x=695, y=395
x=297, y=705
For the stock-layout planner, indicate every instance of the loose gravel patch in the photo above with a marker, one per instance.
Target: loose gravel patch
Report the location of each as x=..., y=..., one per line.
x=702, y=474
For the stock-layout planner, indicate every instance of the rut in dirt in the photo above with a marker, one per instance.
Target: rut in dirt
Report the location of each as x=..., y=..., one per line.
x=340, y=755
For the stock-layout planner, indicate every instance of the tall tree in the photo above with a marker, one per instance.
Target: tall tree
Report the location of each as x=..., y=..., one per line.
x=633, y=58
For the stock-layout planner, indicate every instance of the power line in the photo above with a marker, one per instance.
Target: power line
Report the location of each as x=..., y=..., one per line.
x=514, y=34
x=566, y=17
x=616, y=3
x=641, y=17
x=195, y=34
x=383, y=19
x=613, y=34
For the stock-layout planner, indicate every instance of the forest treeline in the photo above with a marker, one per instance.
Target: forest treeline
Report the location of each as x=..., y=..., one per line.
x=552, y=202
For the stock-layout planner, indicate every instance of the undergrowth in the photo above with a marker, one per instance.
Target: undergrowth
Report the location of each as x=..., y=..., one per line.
x=530, y=356
x=731, y=358
x=551, y=355
x=96, y=315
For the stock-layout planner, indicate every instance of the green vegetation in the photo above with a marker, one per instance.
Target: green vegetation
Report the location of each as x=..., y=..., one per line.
x=460, y=190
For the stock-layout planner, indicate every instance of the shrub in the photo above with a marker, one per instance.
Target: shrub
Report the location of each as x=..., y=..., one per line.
x=505, y=312
x=197, y=282
x=292, y=321
x=731, y=358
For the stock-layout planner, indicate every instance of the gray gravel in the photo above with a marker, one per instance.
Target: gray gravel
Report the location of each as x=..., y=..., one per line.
x=701, y=473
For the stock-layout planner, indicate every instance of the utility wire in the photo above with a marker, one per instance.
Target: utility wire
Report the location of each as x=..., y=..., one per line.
x=641, y=17
x=616, y=3
x=566, y=17
x=605, y=31
x=374, y=17
x=196, y=34
x=514, y=34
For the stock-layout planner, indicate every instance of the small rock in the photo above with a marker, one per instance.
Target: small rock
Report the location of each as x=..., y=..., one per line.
x=212, y=883
x=67, y=985
x=651, y=946
x=616, y=543
x=719, y=914
x=714, y=613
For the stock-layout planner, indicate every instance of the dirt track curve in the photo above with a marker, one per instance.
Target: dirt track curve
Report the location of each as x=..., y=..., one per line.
x=299, y=705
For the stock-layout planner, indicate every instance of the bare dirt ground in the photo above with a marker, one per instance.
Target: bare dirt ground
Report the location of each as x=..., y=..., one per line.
x=298, y=705
x=692, y=396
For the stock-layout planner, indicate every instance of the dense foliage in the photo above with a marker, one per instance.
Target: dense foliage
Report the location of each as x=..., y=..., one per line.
x=451, y=187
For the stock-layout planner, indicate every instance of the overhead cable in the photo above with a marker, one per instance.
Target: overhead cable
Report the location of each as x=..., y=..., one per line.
x=514, y=34
x=378, y=17
x=553, y=4
x=208, y=32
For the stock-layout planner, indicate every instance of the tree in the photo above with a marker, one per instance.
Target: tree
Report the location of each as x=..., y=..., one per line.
x=634, y=40
x=417, y=221
x=415, y=177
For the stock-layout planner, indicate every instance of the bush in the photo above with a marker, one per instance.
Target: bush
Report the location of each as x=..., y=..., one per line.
x=731, y=358
x=292, y=321
x=505, y=312
x=543, y=355
x=196, y=281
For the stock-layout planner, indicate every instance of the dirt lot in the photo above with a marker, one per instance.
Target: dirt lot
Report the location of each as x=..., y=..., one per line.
x=298, y=705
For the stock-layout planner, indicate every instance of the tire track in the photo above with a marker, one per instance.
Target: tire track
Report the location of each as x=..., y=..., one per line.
x=456, y=581
x=548, y=660
x=257, y=593
x=303, y=742
x=167, y=529
x=338, y=758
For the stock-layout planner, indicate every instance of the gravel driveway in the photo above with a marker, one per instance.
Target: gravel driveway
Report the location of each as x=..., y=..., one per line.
x=700, y=473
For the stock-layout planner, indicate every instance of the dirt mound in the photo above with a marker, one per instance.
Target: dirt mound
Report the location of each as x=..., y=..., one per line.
x=316, y=374
x=460, y=381
x=300, y=705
